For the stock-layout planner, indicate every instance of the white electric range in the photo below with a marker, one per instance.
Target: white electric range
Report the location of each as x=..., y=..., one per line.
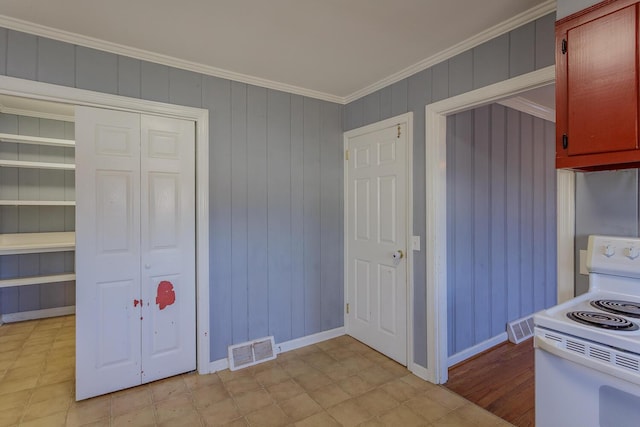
x=587, y=349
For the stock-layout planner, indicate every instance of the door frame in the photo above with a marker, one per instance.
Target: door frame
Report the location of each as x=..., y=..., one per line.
x=436, y=114
x=68, y=95
x=406, y=119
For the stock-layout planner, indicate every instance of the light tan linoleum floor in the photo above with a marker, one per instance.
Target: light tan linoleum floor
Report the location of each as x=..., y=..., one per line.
x=333, y=383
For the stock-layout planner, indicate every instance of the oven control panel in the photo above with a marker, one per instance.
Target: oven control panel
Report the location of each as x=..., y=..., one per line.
x=619, y=256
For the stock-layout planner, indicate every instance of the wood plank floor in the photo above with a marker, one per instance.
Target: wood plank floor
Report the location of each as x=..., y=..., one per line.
x=501, y=380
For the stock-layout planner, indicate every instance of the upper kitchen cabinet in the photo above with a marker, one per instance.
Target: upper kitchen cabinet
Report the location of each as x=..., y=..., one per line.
x=597, y=88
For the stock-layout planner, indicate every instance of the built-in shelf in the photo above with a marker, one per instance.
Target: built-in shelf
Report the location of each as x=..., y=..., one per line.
x=29, y=243
x=37, y=280
x=37, y=203
x=36, y=165
x=37, y=140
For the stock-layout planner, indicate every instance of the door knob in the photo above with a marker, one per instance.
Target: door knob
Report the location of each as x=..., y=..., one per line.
x=397, y=255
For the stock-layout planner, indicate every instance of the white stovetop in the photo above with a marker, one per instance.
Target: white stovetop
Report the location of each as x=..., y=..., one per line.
x=556, y=319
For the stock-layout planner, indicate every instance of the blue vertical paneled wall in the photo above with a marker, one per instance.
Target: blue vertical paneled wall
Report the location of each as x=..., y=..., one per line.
x=501, y=224
x=522, y=50
x=276, y=189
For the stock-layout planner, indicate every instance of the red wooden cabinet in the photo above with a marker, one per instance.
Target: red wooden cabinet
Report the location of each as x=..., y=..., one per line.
x=597, y=87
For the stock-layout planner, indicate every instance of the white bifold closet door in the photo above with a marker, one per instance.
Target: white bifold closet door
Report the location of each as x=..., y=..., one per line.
x=135, y=249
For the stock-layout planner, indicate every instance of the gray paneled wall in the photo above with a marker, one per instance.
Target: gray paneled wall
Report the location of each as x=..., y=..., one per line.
x=501, y=221
x=34, y=184
x=275, y=185
x=606, y=203
x=522, y=50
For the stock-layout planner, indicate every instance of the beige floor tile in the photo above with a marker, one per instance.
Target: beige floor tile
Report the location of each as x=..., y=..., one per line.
x=46, y=392
x=45, y=408
x=140, y=418
x=55, y=420
x=296, y=367
x=338, y=372
x=191, y=419
x=374, y=422
x=349, y=413
x=18, y=399
x=17, y=385
x=300, y=407
x=355, y=385
x=329, y=395
x=195, y=381
x=9, y=354
x=205, y=396
x=402, y=416
x=452, y=419
x=59, y=376
x=427, y=407
x=253, y=400
x=446, y=397
x=400, y=390
x=220, y=413
x=175, y=408
x=271, y=376
x=228, y=375
x=242, y=385
x=10, y=416
x=31, y=360
x=356, y=363
x=313, y=380
x=477, y=416
x=270, y=416
x=89, y=411
x=16, y=374
x=168, y=388
x=319, y=359
x=377, y=401
x=376, y=375
x=240, y=422
x=321, y=419
x=131, y=400
x=284, y=390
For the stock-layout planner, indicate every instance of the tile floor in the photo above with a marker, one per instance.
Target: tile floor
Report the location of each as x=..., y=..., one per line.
x=333, y=383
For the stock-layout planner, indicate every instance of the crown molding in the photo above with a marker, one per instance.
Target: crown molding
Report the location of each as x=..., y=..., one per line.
x=118, y=49
x=526, y=106
x=491, y=33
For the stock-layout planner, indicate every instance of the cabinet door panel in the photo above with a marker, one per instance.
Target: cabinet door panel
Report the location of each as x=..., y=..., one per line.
x=602, y=84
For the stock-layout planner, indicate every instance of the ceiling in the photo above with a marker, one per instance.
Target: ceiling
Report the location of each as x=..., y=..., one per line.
x=330, y=49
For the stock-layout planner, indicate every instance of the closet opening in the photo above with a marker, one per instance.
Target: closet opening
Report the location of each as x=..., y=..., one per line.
x=38, y=205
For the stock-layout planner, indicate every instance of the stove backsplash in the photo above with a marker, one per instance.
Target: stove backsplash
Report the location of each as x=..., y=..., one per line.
x=606, y=204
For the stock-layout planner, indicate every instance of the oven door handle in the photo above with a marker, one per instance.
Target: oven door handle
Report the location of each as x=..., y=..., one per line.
x=609, y=369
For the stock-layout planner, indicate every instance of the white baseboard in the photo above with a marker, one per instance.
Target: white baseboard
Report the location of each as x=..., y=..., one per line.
x=38, y=314
x=420, y=372
x=477, y=349
x=222, y=364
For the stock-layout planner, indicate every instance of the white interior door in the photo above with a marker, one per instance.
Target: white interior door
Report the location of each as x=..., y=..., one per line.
x=135, y=249
x=376, y=230
x=108, y=311
x=168, y=247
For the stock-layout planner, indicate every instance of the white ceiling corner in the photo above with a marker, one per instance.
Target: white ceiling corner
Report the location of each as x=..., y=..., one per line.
x=326, y=49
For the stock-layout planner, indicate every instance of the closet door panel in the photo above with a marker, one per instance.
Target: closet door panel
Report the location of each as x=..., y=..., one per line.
x=168, y=243
x=108, y=309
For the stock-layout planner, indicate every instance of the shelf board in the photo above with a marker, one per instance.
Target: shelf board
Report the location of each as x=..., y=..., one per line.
x=37, y=203
x=30, y=243
x=36, y=165
x=24, y=139
x=37, y=280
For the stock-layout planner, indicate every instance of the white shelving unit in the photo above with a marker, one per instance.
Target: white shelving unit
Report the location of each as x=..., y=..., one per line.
x=37, y=140
x=36, y=165
x=37, y=203
x=28, y=243
x=31, y=243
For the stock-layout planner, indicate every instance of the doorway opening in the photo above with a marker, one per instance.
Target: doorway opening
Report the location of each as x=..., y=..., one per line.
x=436, y=202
